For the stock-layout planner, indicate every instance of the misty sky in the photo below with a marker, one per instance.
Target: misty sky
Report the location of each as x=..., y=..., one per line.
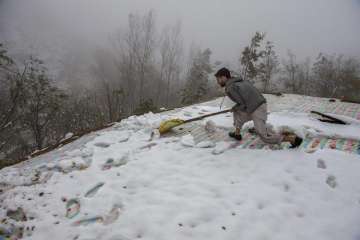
x=305, y=26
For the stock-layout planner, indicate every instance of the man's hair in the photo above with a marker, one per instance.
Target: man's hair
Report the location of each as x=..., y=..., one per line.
x=223, y=72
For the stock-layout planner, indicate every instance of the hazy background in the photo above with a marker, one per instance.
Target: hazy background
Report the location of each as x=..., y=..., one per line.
x=53, y=28
x=78, y=65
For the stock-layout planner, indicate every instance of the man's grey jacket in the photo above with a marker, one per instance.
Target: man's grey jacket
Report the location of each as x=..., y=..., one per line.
x=244, y=94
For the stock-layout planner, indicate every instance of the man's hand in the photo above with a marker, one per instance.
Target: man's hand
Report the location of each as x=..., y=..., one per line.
x=235, y=108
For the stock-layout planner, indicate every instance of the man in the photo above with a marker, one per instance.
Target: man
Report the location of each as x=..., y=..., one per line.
x=251, y=105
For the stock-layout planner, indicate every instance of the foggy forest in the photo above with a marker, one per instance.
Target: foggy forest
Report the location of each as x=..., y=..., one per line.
x=145, y=65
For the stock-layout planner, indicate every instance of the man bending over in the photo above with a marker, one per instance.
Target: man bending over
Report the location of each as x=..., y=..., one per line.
x=251, y=105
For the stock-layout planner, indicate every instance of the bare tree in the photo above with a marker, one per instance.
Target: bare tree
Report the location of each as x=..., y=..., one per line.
x=197, y=77
x=336, y=75
x=12, y=78
x=109, y=88
x=268, y=66
x=307, y=86
x=136, y=56
x=351, y=75
x=290, y=71
x=82, y=111
x=171, y=53
x=11, y=89
x=146, y=50
x=43, y=102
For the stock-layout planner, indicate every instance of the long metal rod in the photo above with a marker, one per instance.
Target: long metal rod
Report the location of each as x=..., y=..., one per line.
x=207, y=115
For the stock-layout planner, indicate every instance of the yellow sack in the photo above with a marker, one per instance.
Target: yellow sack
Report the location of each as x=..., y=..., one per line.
x=169, y=124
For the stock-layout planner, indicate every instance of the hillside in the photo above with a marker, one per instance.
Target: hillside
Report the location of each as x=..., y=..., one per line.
x=126, y=182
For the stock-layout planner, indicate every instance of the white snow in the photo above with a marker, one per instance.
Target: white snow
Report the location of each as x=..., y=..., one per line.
x=171, y=188
x=188, y=140
x=206, y=144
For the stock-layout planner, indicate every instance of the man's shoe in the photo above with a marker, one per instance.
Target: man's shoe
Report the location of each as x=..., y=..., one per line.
x=297, y=142
x=252, y=130
x=236, y=136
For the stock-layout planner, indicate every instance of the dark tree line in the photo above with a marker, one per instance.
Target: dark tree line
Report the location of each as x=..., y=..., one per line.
x=328, y=76
x=29, y=105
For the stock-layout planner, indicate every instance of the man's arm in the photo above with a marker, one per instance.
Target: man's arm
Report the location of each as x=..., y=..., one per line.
x=234, y=94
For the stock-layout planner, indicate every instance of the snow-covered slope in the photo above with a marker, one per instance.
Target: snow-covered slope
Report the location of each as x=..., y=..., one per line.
x=131, y=184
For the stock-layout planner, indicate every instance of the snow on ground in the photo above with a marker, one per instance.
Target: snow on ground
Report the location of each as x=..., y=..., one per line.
x=146, y=187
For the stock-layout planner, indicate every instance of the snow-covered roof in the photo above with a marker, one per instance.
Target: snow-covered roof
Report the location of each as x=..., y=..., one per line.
x=126, y=182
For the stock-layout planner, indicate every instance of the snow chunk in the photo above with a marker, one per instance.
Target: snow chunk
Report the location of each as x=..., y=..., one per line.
x=220, y=148
x=149, y=120
x=124, y=136
x=68, y=135
x=74, y=153
x=206, y=144
x=68, y=165
x=210, y=126
x=188, y=141
x=86, y=152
